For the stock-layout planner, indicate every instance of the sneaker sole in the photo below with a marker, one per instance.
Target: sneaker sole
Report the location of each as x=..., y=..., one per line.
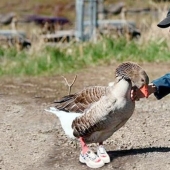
x=107, y=160
x=89, y=165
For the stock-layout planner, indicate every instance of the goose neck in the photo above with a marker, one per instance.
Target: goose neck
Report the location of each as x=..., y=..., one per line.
x=122, y=88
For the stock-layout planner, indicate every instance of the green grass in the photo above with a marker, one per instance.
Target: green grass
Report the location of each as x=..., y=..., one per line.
x=73, y=57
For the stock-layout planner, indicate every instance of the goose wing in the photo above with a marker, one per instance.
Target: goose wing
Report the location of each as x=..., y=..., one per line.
x=82, y=100
x=96, y=118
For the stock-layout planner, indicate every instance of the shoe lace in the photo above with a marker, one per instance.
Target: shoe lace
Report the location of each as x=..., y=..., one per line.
x=91, y=155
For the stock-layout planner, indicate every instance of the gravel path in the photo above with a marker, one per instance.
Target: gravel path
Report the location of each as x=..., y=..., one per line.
x=32, y=139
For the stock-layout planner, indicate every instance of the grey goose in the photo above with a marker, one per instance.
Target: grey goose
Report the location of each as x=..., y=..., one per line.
x=93, y=114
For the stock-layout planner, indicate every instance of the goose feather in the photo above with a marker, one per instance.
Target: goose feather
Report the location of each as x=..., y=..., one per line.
x=95, y=113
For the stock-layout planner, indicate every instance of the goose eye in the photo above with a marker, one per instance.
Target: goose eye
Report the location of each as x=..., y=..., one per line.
x=142, y=80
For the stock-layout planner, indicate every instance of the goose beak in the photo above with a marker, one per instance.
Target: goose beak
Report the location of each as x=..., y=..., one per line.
x=144, y=90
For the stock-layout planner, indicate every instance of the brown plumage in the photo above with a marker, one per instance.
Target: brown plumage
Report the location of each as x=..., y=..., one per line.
x=95, y=113
x=82, y=100
x=104, y=109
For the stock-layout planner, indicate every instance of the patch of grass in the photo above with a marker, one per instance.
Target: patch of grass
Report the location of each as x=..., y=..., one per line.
x=73, y=57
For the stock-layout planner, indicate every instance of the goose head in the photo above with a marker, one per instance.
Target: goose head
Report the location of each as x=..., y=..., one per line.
x=134, y=74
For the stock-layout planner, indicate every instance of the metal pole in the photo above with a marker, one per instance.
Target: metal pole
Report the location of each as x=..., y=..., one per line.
x=95, y=4
x=80, y=19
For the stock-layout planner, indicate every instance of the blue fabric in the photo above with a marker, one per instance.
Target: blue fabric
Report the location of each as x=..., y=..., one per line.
x=163, y=86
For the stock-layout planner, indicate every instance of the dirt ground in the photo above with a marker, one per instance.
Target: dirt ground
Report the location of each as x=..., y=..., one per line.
x=32, y=139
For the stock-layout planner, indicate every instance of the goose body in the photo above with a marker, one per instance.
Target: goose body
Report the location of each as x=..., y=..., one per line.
x=73, y=106
x=95, y=113
x=103, y=112
x=106, y=115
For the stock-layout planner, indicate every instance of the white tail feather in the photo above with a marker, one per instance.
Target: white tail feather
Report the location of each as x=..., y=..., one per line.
x=66, y=119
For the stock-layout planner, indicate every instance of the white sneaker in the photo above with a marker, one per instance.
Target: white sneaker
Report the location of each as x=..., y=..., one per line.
x=91, y=159
x=101, y=152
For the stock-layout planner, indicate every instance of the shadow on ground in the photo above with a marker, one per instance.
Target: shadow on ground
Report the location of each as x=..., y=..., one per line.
x=121, y=153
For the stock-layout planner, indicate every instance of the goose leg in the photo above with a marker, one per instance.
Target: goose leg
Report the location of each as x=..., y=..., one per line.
x=101, y=152
x=83, y=145
x=89, y=157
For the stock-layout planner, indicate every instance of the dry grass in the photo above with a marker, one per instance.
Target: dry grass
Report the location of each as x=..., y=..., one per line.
x=41, y=58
